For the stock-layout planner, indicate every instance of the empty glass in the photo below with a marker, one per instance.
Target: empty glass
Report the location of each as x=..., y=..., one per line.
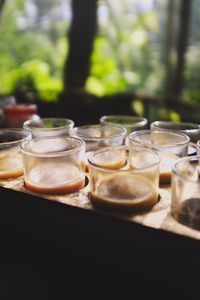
x=185, y=197
x=170, y=146
x=119, y=181
x=129, y=122
x=54, y=165
x=49, y=127
x=11, y=165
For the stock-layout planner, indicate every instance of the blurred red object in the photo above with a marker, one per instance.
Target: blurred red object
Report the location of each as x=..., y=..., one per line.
x=16, y=114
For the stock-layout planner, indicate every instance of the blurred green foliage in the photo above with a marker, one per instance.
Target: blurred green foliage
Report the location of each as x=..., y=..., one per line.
x=127, y=57
x=31, y=59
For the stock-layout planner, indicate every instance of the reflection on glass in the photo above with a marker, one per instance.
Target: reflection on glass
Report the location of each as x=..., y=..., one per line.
x=54, y=165
x=119, y=181
x=11, y=165
x=185, y=199
x=169, y=145
x=49, y=127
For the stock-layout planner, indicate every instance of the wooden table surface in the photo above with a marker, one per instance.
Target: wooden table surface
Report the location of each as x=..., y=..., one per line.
x=153, y=244
x=159, y=217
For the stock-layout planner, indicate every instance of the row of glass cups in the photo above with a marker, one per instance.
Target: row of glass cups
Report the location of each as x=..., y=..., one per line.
x=120, y=177
x=58, y=165
x=57, y=126
x=97, y=136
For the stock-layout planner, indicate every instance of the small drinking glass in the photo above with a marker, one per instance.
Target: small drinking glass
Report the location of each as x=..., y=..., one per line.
x=189, y=128
x=16, y=114
x=54, y=127
x=185, y=194
x=54, y=165
x=170, y=146
x=130, y=123
x=11, y=165
x=98, y=136
x=119, y=181
x=198, y=148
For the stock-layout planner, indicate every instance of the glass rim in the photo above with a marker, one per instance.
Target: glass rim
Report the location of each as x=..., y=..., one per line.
x=125, y=148
x=193, y=126
x=14, y=130
x=68, y=123
x=122, y=132
x=180, y=174
x=22, y=108
x=139, y=121
x=147, y=131
x=80, y=147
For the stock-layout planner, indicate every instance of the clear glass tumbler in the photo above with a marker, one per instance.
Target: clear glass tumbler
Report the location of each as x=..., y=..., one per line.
x=54, y=165
x=169, y=145
x=16, y=114
x=198, y=148
x=118, y=181
x=49, y=127
x=189, y=128
x=98, y=136
x=185, y=194
x=11, y=165
x=129, y=122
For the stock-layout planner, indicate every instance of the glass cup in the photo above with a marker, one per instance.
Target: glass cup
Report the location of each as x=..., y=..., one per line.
x=130, y=123
x=198, y=147
x=54, y=127
x=170, y=146
x=11, y=165
x=189, y=128
x=54, y=165
x=98, y=136
x=16, y=114
x=118, y=181
x=185, y=195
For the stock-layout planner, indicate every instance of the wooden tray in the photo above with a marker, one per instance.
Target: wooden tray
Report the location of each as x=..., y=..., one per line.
x=159, y=217
x=152, y=243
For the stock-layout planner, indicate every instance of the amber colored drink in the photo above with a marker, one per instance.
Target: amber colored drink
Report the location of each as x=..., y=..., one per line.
x=51, y=179
x=188, y=213
x=10, y=166
x=167, y=161
x=117, y=164
x=59, y=189
x=124, y=191
x=114, y=163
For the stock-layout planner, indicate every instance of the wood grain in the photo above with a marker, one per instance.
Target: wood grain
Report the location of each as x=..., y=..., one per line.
x=159, y=217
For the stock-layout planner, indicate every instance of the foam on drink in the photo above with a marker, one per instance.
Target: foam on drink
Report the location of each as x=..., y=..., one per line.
x=50, y=178
x=124, y=191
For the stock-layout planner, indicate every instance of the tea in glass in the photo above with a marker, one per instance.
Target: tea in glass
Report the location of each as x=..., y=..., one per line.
x=54, y=165
x=116, y=182
x=11, y=165
x=169, y=145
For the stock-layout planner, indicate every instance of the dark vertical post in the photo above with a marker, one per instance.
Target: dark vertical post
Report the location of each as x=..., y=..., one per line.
x=2, y=3
x=81, y=37
x=184, y=25
x=168, y=46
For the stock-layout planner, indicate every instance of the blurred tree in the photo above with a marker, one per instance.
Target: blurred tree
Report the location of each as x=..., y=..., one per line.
x=81, y=36
x=33, y=49
x=169, y=48
x=115, y=50
x=184, y=26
